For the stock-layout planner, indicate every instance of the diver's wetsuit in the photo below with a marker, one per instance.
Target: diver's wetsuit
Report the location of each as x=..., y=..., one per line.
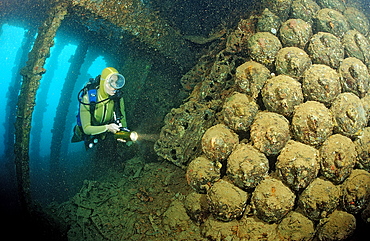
x=103, y=114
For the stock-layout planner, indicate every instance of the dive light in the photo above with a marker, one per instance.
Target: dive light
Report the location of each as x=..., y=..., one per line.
x=126, y=135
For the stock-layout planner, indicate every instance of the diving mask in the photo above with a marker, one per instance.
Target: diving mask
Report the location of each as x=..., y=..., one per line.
x=116, y=80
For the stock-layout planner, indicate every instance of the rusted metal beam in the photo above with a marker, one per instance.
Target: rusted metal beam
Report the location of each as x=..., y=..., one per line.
x=32, y=74
x=122, y=19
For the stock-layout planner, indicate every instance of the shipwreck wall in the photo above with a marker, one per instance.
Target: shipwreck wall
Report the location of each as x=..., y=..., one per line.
x=132, y=19
x=276, y=127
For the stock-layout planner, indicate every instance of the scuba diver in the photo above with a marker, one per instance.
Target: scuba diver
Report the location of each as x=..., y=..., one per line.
x=101, y=110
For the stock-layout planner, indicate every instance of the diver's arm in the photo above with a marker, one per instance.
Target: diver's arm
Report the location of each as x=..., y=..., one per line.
x=86, y=120
x=122, y=106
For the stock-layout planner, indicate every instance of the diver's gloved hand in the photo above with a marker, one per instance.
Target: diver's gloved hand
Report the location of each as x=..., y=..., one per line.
x=113, y=128
x=124, y=129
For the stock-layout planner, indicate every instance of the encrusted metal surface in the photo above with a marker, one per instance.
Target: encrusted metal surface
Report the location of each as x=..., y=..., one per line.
x=121, y=19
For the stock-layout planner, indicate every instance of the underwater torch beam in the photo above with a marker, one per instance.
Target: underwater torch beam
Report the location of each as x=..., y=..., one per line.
x=127, y=135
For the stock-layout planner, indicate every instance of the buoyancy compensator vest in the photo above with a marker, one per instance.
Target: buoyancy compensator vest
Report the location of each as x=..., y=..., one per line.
x=91, y=90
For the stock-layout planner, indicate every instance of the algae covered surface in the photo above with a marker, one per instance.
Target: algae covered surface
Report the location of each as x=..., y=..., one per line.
x=138, y=202
x=271, y=141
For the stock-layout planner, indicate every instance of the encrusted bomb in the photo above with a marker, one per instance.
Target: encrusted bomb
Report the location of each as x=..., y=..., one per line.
x=312, y=123
x=252, y=228
x=272, y=200
x=298, y=165
x=349, y=114
x=263, y=47
x=250, y=78
x=354, y=76
x=321, y=83
x=362, y=144
x=226, y=201
x=338, y=157
x=295, y=33
x=356, y=191
x=246, y=166
x=292, y=61
x=296, y=226
x=331, y=21
x=338, y=5
x=268, y=22
x=325, y=48
x=270, y=132
x=201, y=173
x=338, y=226
x=319, y=199
x=304, y=9
x=357, y=20
x=239, y=111
x=279, y=7
x=281, y=94
x=357, y=45
x=218, y=142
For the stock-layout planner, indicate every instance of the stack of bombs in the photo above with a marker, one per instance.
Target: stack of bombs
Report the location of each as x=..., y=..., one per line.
x=292, y=142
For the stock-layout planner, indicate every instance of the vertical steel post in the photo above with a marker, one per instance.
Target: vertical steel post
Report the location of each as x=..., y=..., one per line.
x=32, y=74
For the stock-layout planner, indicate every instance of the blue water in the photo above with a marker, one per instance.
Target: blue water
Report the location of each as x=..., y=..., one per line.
x=10, y=42
x=54, y=82
x=47, y=99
